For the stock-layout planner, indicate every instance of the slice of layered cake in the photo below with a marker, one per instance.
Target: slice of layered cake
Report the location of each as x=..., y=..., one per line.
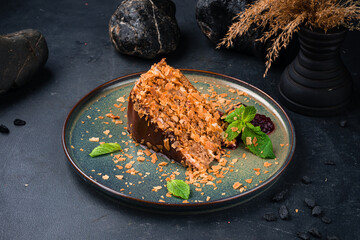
x=169, y=115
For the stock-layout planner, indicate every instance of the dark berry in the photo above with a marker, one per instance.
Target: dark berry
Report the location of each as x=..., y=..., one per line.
x=4, y=129
x=316, y=211
x=315, y=232
x=326, y=220
x=305, y=180
x=303, y=236
x=280, y=196
x=343, y=123
x=264, y=122
x=269, y=216
x=332, y=238
x=283, y=212
x=310, y=202
x=19, y=122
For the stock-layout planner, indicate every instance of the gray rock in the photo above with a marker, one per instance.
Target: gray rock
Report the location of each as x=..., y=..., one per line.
x=144, y=28
x=22, y=53
x=316, y=211
x=315, y=232
x=283, y=212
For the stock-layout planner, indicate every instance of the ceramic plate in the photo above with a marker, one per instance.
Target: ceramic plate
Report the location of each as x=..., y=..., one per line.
x=144, y=186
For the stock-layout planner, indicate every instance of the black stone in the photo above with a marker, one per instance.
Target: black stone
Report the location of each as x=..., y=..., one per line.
x=283, y=212
x=305, y=180
x=144, y=28
x=303, y=236
x=332, y=237
x=326, y=220
x=214, y=17
x=270, y=216
x=315, y=232
x=343, y=123
x=280, y=196
x=316, y=211
x=22, y=53
x=4, y=129
x=19, y=122
x=310, y=202
x=329, y=162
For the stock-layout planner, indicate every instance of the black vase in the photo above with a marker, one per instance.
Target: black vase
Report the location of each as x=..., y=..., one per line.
x=317, y=83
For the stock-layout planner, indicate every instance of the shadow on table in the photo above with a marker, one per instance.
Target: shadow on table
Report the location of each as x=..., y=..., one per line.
x=38, y=81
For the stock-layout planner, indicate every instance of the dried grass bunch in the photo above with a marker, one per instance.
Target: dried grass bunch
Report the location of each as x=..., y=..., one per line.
x=283, y=18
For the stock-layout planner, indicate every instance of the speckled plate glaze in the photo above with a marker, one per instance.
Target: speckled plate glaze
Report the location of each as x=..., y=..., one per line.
x=83, y=123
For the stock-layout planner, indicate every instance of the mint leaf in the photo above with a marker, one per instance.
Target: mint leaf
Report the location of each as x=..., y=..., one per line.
x=248, y=114
x=234, y=129
x=235, y=115
x=178, y=188
x=257, y=141
x=105, y=149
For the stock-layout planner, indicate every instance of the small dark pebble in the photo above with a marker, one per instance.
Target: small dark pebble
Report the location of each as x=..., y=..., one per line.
x=332, y=238
x=310, y=202
x=19, y=122
x=315, y=232
x=269, y=216
x=283, y=212
x=303, y=236
x=343, y=123
x=326, y=220
x=329, y=162
x=305, y=180
x=4, y=129
x=280, y=196
x=316, y=211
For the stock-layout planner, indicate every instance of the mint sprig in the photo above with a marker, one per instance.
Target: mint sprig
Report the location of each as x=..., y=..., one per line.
x=178, y=188
x=254, y=139
x=105, y=148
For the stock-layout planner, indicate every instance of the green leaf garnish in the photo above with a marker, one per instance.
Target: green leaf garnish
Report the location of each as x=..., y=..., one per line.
x=235, y=115
x=248, y=114
x=178, y=188
x=105, y=149
x=234, y=129
x=255, y=140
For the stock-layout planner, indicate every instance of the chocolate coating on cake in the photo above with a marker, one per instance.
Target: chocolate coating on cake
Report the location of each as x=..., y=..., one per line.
x=148, y=134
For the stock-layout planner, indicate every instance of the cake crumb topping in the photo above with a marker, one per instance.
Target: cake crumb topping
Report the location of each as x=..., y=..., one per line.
x=191, y=124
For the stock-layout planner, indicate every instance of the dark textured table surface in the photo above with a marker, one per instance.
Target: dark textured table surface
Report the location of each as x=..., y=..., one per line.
x=41, y=197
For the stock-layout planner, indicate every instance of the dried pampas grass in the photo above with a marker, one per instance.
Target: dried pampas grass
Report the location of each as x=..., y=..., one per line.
x=283, y=18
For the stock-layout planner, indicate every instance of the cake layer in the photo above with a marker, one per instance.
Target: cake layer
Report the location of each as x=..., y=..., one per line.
x=168, y=114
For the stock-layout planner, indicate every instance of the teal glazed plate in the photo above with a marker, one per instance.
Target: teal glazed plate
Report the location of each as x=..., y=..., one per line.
x=134, y=178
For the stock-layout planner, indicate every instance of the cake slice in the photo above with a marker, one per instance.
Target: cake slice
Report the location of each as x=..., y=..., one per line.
x=169, y=115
